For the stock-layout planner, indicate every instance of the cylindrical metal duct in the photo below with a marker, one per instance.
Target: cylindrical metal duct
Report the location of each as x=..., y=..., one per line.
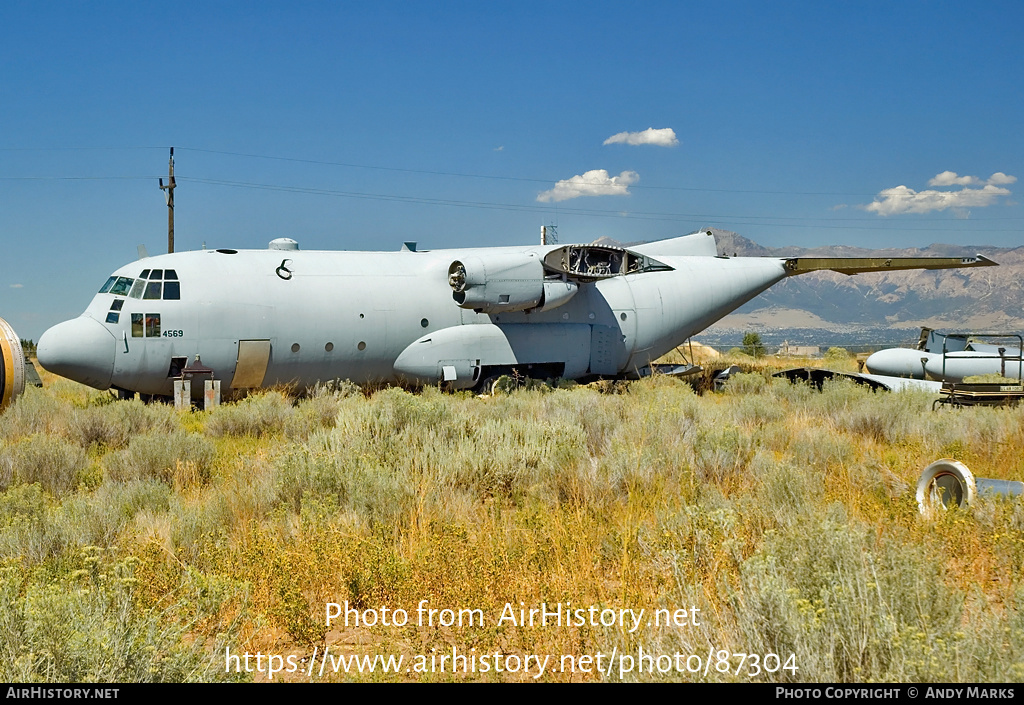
x=948, y=483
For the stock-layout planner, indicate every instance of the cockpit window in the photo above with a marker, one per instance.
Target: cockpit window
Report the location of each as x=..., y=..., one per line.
x=120, y=287
x=110, y=283
x=147, y=286
x=172, y=290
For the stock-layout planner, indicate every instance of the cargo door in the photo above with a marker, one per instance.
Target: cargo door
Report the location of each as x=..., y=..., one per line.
x=251, y=364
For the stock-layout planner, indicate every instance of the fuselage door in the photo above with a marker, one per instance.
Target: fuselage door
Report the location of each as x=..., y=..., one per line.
x=251, y=365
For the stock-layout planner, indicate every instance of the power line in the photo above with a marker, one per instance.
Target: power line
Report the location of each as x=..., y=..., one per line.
x=77, y=178
x=77, y=149
x=710, y=219
x=428, y=172
x=431, y=172
x=767, y=221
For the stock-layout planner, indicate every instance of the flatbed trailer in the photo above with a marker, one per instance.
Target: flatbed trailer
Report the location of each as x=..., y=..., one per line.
x=961, y=394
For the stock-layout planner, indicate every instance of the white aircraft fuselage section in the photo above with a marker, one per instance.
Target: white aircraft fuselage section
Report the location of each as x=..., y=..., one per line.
x=260, y=318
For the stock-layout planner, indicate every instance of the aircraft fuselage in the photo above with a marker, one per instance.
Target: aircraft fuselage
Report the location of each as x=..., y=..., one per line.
x=265, y=317
x=260, y=318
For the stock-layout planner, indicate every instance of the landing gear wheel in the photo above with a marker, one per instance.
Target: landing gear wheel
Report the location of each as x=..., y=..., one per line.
x=486, y=386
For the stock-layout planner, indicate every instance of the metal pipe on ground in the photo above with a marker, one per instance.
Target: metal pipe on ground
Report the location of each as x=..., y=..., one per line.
x=948, y=483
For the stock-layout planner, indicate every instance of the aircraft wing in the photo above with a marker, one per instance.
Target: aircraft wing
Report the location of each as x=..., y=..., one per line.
x=859, y=265
x=817, y=375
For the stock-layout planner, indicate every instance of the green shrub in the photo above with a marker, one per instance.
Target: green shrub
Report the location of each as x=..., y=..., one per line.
x=52, y=462
x=181, y=459
x=89, y=629
x=113, y=425
x=261, y=414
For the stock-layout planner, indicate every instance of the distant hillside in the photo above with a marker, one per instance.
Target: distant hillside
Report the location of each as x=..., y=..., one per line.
x=965, y=299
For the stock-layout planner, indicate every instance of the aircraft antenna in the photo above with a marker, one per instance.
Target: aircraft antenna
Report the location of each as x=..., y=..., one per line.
x=168, y=190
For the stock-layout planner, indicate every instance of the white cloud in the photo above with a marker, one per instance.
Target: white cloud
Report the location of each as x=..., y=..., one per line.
x=902, y=199
x=17, y=286
x=1001, y=179
x=950, y=178
x=596, y=182
x=894, y=201
x=664, y=137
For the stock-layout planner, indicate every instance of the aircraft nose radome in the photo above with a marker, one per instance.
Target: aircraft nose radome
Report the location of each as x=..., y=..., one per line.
x=80, y=349
x=898, y=362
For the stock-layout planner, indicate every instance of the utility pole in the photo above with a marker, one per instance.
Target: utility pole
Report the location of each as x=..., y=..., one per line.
x=169, y=196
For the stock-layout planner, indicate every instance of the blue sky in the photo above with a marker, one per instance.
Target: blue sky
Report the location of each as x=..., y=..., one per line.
x=361, y=125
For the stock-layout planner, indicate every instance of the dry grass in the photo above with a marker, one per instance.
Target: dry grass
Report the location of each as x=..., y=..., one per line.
x=783, y=514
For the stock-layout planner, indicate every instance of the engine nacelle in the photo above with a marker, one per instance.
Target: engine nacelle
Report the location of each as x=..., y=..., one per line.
x=12, y=365
x=506, y=282
x=556, y=293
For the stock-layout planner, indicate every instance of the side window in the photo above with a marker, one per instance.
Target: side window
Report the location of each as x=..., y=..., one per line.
x=172, y=290
x=113, y=316
x=152, y=290
x=152, y=325
x=146, y=325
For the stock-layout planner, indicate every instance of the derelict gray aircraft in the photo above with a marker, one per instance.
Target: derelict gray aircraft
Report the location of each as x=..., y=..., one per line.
x=950, y=357
x=282, y=316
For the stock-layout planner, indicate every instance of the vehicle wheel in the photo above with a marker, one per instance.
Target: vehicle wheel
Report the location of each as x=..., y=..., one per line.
x=486, y=386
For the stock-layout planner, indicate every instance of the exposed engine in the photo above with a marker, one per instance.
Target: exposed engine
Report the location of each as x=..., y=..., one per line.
x=521, y=281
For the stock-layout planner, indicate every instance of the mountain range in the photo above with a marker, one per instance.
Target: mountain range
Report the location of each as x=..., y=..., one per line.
x=978, y=299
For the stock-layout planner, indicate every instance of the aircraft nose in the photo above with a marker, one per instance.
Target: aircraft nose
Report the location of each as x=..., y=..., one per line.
x=80, y=349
